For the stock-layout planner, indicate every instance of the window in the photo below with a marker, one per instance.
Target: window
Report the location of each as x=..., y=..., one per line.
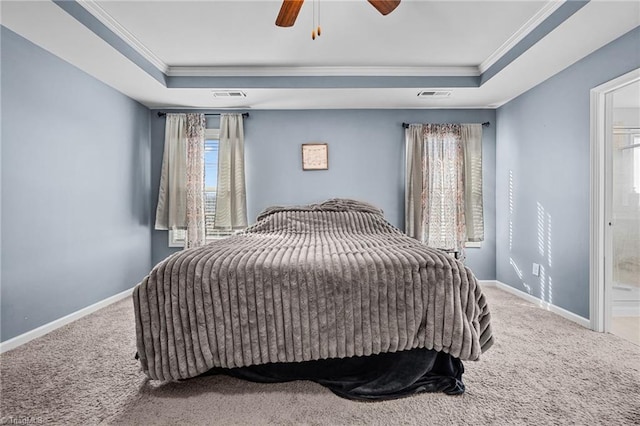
x=176, y=237
x=443, y=195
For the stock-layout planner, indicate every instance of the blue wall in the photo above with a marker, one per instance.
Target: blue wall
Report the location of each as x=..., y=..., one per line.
x=542, y=192
x=75, y=188
x=366, y=162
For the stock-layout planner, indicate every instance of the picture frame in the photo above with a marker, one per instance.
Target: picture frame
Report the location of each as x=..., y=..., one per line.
x=315, y=156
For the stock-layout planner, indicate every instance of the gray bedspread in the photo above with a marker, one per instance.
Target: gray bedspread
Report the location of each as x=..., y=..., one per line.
x=328, y=280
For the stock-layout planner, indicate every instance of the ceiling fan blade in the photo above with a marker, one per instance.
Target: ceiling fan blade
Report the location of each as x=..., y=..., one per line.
x=288, y=13
x=385, y=6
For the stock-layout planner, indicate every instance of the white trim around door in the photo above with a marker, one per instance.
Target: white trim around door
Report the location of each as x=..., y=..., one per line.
x=600, y=216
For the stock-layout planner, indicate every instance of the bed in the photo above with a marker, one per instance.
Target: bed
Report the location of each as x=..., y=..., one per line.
x=330, y=292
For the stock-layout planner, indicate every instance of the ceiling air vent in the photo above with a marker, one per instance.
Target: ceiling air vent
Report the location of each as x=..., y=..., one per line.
x=434, y=94
x=229, y=94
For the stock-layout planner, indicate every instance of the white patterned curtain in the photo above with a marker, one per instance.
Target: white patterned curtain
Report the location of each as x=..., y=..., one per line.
x=181, y=193
x=231, y=197
x=443, y=213
x=195, y=219
x=443, y=184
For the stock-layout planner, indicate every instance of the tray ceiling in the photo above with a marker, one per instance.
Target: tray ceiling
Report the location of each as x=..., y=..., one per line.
x=175, y=54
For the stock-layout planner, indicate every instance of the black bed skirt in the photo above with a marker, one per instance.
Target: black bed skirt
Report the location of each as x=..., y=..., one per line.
x=367, y=378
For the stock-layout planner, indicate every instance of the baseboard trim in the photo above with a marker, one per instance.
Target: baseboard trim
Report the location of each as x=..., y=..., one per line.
x=622, y=309
x=49, y=327
x=488, y=283
x=539, y=302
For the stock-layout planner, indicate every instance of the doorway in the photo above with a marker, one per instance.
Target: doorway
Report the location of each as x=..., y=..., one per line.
x=615, y=257
x=622, y=272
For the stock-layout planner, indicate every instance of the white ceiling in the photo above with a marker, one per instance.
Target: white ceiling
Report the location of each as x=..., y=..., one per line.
x=239, y=38
x=242, y=33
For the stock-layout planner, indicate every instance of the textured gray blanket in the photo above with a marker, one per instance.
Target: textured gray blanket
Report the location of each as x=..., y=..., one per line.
x=328, y=280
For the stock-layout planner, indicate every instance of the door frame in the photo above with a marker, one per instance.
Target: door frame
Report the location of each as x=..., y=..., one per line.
x=601, y=105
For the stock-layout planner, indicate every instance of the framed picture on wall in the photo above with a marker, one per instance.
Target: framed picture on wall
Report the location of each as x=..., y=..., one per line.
x=315, y=156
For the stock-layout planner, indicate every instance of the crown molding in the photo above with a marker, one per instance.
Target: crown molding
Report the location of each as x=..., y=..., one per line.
x=521, y=33
x=93, y=7
x=267, y=71
x=112, y=24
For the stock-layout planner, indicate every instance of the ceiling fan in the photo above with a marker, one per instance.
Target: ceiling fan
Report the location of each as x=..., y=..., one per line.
x=290, y=8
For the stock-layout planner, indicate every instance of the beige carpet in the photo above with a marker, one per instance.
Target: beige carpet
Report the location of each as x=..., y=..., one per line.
x=542, y=370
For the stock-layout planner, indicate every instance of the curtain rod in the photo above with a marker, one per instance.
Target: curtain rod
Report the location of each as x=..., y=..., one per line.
x=485, y=124
x=244, y=114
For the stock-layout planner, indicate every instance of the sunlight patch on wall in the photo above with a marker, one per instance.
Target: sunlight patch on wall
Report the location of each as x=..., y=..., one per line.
x=520, y=275
x=549, y=257
x=543, y=287
x=510, y=210
x=544, y=250
x=540, y=228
